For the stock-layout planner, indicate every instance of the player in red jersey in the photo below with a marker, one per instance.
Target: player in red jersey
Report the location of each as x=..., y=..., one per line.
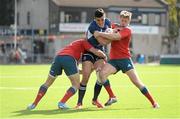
x=120, y=58
x=66, y=60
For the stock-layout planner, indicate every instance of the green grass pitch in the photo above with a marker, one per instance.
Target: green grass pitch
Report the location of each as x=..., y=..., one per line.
x=20, y=83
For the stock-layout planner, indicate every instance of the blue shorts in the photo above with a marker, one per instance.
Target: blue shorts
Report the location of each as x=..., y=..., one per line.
x=88, y=56
x=122, y=64
x=64, y=62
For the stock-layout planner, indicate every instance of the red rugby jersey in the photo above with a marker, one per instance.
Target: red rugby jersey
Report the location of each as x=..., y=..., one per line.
x=75, y=49
x=120, y=48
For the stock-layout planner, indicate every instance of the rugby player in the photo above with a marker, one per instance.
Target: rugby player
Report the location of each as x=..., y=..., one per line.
x=120, y=58
x=66, y=59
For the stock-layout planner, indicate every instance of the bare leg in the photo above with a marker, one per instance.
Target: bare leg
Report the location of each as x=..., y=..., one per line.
x=137, y=82
x=75, y=80
x=86, y=72
x=97, y=88
x=104, y=73
x=42, y=91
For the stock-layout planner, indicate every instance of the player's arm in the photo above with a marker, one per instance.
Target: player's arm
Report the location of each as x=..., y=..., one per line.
x=103, y=41
x=109, y=36
x=97, y=52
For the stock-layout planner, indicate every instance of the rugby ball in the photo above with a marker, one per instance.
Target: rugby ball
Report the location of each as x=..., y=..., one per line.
x=109, y=30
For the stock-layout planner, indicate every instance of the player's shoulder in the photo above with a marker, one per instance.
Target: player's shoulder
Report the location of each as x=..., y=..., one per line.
x=85, y=42
x=107, y=21
x=92, y=25
x=78, y=41
x=81, y=40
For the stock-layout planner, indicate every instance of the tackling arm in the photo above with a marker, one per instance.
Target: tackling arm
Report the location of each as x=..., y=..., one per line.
x=103, y=41
x=97, y=52
x=109, y=36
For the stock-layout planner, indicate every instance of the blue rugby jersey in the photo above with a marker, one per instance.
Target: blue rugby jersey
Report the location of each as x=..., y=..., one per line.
x=94, y=27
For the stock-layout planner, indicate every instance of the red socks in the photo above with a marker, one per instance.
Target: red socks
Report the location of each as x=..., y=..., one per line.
x=69, y=93
x=41, y=93
x=146, y=93
x=107, y=86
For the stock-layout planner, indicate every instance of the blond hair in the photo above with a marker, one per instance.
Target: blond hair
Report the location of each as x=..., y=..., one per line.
x=126, y=14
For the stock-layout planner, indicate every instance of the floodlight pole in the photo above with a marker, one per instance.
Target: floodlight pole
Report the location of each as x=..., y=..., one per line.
x=15, y=25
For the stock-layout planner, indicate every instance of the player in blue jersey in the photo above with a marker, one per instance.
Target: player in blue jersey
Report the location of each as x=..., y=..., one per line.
x=100, y=23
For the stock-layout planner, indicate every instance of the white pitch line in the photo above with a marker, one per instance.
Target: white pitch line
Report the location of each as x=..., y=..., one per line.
x=41, y=76
x=21, y=76
x=99, y=118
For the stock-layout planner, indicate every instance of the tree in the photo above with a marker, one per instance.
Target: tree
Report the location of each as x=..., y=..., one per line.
x=173, y=18
x=178, y=12
x=173, y=26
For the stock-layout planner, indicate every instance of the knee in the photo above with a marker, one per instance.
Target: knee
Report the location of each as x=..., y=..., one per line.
x=86, y=74
x=138, y=83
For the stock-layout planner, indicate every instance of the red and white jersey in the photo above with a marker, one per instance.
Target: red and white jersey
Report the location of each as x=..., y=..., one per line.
x=120, y=48
x=76, y=48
